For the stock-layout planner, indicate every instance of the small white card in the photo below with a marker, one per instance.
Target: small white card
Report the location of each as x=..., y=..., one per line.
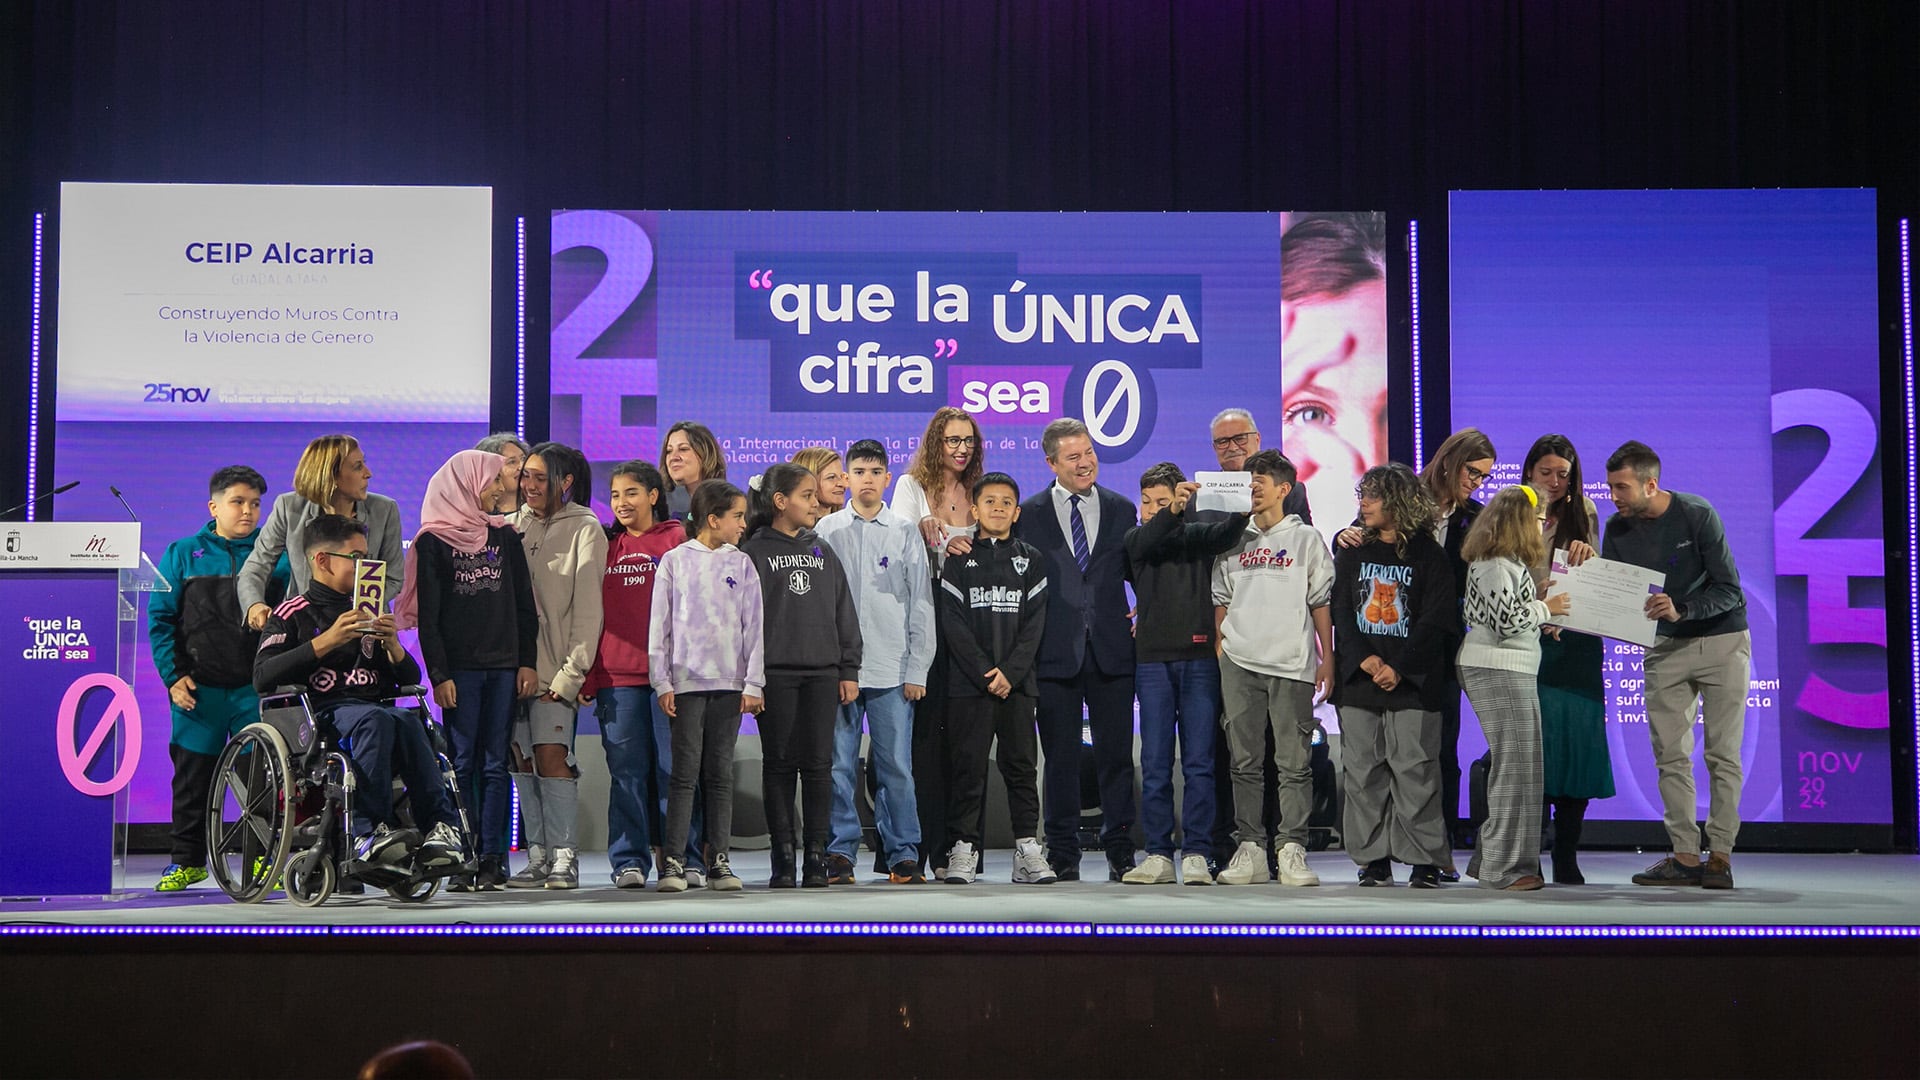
x=1228, y=491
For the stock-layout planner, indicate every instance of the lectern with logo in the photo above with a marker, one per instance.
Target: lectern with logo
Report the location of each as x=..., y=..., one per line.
x=69, y=725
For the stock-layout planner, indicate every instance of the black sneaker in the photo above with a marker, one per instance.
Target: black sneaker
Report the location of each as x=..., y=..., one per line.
x=1717, y=873
x=1672, y=872
x=1377, y=873
x=839, y=869
x=906, y=872
x=1118, y=865
x=493, y=873
x=1063, y=871
x=1424, y=877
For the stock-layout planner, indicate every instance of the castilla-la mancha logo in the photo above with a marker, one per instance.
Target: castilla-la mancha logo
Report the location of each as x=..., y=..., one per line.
x=13, y=541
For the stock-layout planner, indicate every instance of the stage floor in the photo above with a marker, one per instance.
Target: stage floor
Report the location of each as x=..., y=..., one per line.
x=1857, y=892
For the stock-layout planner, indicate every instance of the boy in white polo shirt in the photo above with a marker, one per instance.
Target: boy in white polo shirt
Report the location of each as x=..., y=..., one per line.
x=1270, y=597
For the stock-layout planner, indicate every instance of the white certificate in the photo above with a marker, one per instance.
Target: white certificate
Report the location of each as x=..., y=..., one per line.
x=1609, y=598
x=1229, y=491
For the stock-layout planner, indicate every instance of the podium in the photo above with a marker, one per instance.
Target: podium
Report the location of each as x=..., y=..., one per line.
x=69, y=725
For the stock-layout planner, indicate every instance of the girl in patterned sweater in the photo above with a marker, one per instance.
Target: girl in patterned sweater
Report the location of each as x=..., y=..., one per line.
x=1498, y=663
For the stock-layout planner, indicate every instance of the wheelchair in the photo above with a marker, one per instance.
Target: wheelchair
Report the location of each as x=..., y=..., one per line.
x=281, y=806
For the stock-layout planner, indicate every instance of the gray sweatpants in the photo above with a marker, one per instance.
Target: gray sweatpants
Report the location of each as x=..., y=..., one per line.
x=1254, y=701
x=1508, y=705
x=705, y=728
x=1390, y=776
x=1711, y=671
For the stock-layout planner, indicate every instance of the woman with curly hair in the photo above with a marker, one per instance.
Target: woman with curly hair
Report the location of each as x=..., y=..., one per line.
x=1396, y=615
x=936, y=493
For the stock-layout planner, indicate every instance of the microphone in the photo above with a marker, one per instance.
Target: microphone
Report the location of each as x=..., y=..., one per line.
x=38, y=499
x=123, y=502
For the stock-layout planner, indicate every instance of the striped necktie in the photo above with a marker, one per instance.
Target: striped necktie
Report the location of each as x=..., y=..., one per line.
x=1079, y=531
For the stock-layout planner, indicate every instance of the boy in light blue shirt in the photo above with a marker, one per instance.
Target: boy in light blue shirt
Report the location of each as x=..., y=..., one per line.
x=886, y=565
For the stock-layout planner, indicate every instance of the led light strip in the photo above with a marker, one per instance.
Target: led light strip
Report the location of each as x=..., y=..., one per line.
x=1419, y=410
x=33, y=374
x=520, y=330
x=1913, y=516
x=974, y=929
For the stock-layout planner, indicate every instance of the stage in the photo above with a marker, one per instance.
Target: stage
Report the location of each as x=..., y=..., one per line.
x=1810, y=967
x=1829, y=895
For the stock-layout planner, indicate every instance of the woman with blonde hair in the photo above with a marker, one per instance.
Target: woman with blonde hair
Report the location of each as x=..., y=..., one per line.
x=825, y=465
x=1499, y=664
x=331, y=478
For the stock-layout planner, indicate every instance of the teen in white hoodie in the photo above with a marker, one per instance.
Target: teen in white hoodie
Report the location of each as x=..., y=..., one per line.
x=1276, y=644
x=567, y=554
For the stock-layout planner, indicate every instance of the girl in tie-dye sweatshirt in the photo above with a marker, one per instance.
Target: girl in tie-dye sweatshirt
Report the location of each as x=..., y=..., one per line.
x=704, y=659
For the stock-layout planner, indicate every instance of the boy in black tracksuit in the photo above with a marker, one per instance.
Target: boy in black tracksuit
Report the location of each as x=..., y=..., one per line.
x=313, y=641
x=994, y=609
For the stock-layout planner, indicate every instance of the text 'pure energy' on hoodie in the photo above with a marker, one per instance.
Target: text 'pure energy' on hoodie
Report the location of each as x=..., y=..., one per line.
x=810, y=621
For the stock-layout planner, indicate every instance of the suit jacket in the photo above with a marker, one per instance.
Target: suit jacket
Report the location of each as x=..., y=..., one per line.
x=1086, y=612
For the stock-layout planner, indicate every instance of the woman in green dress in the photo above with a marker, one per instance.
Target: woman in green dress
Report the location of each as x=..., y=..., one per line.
x=1572, y=697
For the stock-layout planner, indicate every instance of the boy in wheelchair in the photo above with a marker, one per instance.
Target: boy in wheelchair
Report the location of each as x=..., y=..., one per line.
x=347, y=668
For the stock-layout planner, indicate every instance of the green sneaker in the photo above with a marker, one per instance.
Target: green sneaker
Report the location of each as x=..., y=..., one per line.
x=177, y=877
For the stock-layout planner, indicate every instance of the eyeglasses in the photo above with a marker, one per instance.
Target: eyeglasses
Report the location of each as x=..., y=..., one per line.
x=348, y=555
x=957, y=442
x=1475, y=476
x=1240, y=440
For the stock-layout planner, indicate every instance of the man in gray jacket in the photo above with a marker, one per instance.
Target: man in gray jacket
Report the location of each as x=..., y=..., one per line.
x=1702, y=657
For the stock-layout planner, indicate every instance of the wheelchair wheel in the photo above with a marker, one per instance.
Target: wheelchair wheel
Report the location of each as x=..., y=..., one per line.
x=414, y=892
x=249, y=821
x=310, y=877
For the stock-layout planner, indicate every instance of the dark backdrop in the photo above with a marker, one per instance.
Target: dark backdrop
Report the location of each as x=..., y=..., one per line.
x=961, y=104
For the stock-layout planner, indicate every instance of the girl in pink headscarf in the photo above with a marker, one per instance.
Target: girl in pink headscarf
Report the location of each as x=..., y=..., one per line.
x=468, y=590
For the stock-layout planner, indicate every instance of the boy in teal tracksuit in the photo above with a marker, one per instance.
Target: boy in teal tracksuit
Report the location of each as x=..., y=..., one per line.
x=204, y=652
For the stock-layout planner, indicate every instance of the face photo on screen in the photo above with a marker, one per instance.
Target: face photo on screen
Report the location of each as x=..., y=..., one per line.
x=1333, y=317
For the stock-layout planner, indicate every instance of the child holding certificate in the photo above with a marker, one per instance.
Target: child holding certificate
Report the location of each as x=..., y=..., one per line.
x=1499, y=663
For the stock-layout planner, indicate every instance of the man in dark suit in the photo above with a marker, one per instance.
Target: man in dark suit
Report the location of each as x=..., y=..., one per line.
x=1086, y=656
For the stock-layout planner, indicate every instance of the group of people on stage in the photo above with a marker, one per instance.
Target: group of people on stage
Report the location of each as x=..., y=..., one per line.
x=957, y=613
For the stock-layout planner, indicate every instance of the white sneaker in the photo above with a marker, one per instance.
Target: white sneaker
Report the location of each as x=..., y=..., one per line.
x=696, y=878
x=1155, y=870
x=631, y=878
x=442, y=847
x=960, y=864
x=1293, y=866
x=1248, y=867
x=1193, y=871
x=534, y=874
x=566, y=869
x=1030, y=863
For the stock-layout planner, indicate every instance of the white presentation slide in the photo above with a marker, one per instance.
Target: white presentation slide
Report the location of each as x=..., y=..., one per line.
x=260, y=302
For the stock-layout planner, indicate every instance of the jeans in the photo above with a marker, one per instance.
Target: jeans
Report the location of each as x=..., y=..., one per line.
x=382, y=740
x=696, y=858
x=626, y=733
x=1177, y=701
x=704, y=735
x=896, y=812
x=477, y=732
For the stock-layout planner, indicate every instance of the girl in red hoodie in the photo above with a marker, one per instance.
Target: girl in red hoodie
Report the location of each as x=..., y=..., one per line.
x=637, y=764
